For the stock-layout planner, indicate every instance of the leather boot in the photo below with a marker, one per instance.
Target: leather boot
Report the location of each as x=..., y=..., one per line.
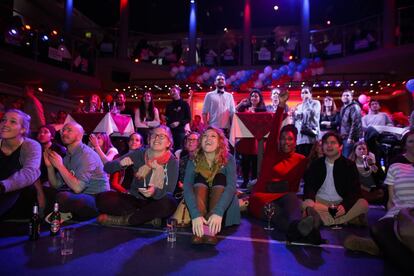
x=201, y=195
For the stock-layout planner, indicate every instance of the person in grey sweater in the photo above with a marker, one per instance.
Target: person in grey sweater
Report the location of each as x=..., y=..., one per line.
x=150, y=194
x=19, y=162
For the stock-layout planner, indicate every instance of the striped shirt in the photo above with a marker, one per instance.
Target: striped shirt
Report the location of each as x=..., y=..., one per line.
x=401, y=176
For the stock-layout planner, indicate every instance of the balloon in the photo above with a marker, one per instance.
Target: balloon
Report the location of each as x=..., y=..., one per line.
x=320, y=70
x=305, y=62
x=300, y=68
x=232, y=78
x=238, y=74
x=365, y=107
x=292, y=65
x=174, y=71
x=410, y=85
x=213, y=72
x=199, y=79
x=261, y=76
x=258, y=84
x=267, y=71
x=284, y=69
x=362, y=99
x=206, y=76
x=297, y=76
x=181, y=68
x=290, y=73
x=275, y=75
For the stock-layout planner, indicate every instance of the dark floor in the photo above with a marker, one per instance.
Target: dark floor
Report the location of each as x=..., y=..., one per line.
x=244, y=250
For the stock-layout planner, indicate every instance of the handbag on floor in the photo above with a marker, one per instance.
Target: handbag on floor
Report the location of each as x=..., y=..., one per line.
x=182, y=215
x=404, y=227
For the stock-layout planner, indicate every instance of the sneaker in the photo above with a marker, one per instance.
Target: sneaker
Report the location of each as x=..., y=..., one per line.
x=196, y=239
x=355, y=243
x=105, y=219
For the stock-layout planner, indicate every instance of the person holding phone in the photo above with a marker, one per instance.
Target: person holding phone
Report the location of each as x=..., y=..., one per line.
x=151, y=193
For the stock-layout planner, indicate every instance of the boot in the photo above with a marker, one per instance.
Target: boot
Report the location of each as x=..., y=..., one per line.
x=215, y=195
x=309, y=211
x=355, y=243
x=201, y=194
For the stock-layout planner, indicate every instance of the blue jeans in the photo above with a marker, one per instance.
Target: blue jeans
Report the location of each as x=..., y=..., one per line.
x=82, y=206
x=346, y=148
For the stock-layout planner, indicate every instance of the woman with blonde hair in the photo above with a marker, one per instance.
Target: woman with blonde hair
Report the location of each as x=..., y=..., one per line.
x=150, y=195
x=210, y=188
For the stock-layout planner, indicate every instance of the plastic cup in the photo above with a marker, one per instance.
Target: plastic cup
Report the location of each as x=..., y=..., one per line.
x=171, y=230
x=67, y=239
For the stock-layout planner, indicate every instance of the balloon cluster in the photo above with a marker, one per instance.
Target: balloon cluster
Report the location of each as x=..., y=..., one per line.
x=245, y=79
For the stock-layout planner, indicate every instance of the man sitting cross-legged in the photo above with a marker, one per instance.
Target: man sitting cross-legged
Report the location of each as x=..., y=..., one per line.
x=333, y=179
x=78, y=177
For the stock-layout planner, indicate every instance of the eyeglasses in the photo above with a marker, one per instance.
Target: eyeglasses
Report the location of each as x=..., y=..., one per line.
x=192, y=140
x=160, y=136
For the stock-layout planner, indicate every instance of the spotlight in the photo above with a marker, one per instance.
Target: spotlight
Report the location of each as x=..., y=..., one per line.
x=13, y=32
x=136, y=60
x=226, y=30
x=54, y=32
x=45, y=38
x=27, y=26
x=276, y=7
x=40, y=89
x=192, y=1
x=328, y=22
x=81, y=101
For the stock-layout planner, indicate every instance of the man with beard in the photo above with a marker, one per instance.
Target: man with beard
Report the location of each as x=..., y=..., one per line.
x=218, y=107
x=351, y=126
x=78, y=177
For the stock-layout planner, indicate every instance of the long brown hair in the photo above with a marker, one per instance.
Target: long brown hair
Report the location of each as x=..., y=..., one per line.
x=334, y=109
x=222, y=148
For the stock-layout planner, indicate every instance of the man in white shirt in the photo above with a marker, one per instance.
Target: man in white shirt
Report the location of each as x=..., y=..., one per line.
x=218, y=107
x=333, y=180
x=375, y=117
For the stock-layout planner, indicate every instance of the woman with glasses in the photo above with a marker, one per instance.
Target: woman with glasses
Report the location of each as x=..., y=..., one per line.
x=150, y=195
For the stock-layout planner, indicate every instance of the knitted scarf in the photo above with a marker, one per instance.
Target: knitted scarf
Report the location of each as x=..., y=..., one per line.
x=157, y=168
x=206, y=171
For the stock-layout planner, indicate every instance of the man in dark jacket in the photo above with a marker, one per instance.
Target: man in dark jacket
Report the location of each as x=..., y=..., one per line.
x=333, y=180
x=351, y=125
x=178, y=115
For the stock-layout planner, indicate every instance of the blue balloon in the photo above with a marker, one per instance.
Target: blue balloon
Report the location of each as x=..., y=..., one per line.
x=317, y=59
x=284, y=69
x=300, y=68
x=305, y=62
x=292, y=65
x=410, y=85
x=291, y=73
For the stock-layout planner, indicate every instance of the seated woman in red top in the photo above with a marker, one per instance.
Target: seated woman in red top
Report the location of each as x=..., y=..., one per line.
x=282, y=169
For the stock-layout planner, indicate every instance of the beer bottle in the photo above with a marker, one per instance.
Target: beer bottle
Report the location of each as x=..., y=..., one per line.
x=55, y=220
x=34, y=224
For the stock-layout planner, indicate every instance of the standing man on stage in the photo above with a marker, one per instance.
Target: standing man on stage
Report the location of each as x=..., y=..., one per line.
x=218, y=107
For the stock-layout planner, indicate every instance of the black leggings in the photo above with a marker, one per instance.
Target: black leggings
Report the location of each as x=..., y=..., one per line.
x=141, y=210
x=383, y=234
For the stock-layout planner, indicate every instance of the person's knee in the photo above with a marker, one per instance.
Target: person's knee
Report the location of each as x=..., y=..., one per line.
x=308, y=203
x=362, y=205
x=219, y=180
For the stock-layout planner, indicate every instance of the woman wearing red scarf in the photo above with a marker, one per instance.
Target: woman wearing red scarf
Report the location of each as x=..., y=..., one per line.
x=150, y=195
x=282, y=169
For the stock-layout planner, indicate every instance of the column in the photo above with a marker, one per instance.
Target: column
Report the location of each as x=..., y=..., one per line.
x=247, y=31
x=192, y=35
x=388, y=23
x=304, y=29
x=123, y=29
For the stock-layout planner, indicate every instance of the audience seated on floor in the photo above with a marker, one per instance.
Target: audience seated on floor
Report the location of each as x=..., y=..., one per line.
x=278, y=183
x=150, y=196
x=78, y=177
x=210, y=188
x=371, y=175
x=121, y=180
x=401, y=199
x=334, y=179
x=46, y=138
x=19, y=162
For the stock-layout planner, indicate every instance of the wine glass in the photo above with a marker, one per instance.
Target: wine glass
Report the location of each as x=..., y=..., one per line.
x=333, y=209
x=269, y=211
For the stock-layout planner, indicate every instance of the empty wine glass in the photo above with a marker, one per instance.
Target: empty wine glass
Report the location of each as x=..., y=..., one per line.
x=269, y=211
x=333, y=209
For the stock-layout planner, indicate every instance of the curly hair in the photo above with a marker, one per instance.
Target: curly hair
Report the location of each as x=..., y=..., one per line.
x=222, y=148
